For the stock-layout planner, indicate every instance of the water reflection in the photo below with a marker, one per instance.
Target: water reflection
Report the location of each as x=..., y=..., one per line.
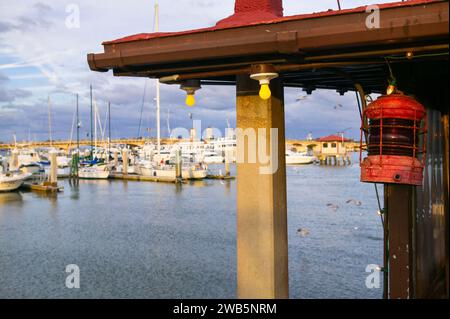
x=74, y=185
x=10, y=198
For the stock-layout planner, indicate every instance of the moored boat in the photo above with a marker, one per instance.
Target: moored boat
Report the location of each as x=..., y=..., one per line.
x=94, y=172
x=10, y=181
x=294, y=158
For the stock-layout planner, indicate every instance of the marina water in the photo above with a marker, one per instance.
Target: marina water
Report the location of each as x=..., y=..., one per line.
x=156, y=240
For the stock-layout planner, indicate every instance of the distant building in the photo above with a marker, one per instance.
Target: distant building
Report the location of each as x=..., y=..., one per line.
x=209, y=133
x=333, y=147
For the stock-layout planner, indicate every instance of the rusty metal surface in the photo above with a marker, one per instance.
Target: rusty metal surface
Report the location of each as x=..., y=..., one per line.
x=445, y=143
x=431, y=254
x=292, y=41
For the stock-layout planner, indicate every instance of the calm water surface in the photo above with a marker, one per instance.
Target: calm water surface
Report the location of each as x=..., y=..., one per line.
x=150, y=240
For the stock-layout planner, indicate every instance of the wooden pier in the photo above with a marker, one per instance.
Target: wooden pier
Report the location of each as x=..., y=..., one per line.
x=140, y=178
x=42, y=187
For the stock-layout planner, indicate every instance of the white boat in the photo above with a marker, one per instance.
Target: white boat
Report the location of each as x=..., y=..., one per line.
x=32, y=168
x=163, y=173
x=27, y=157
x=10, y=181
x=168, y=172
x=193, y=172
x=94, y=172
x=212, y=157
x=294, y=158
x=60, y=171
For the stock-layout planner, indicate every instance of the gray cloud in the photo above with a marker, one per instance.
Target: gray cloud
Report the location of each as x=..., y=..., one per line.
x=38, y=29
x=10, y=94
x=39, y=17
x=5, y=27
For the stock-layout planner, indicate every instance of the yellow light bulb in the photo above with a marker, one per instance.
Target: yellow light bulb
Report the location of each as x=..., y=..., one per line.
x=264, y=92
x=391, y=89
x=190, y=100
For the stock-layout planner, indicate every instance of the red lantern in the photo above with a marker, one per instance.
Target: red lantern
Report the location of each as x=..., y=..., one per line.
x=393, y=137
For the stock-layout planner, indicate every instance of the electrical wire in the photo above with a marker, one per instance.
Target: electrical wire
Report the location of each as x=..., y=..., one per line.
x=380, y=209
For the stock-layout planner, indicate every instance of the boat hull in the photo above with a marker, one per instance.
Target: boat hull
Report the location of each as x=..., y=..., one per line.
x=214, y=159
x=12, y=182
x=299, y=160
x=10, y=186
x=93, y=174
x=170, y=174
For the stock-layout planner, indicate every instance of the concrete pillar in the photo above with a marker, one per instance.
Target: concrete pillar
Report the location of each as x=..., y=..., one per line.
x=227, y=161
x=125, y=161
x=262, y=246
x=53, y=178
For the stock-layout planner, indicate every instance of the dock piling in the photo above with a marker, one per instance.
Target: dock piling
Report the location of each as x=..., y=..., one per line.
x=116, y=159
x=125, y=161
x=178, y=167
x=227, y=162
x=53, y=177
x=14, y=160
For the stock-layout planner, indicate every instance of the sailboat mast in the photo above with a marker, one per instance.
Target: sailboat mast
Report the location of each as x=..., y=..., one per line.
x=78, y=129
x=109, y=129
x=158, y=99
x=168, y=123
x=50, y=122
x=95, y=124
x=92, y=133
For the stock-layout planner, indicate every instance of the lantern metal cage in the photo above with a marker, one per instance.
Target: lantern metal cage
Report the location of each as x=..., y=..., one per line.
x=395, y=130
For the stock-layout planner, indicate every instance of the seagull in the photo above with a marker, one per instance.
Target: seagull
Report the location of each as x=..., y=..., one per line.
x=337, y=106
x=334, y=207
x=354, y=202
x=303, y=232
x=301, y=98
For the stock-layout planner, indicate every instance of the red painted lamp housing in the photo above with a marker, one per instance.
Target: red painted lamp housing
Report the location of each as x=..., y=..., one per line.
x=393, y=141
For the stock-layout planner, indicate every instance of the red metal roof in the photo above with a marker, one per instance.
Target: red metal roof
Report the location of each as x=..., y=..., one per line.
x=333, y=138
x=251, y=12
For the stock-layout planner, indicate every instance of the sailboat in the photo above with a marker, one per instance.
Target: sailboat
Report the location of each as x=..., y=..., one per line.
x=94, y=169
x=163, y=165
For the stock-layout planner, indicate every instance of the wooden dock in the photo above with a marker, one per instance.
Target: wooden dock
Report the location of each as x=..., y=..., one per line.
x=158, y=179
x=43, y=187
x=140, y=178
x=220, y=177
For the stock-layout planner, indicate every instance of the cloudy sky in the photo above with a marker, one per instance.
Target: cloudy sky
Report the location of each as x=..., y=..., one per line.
x=41, y=56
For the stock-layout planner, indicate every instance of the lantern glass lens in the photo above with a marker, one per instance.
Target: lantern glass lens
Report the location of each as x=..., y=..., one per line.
x=398, y=137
